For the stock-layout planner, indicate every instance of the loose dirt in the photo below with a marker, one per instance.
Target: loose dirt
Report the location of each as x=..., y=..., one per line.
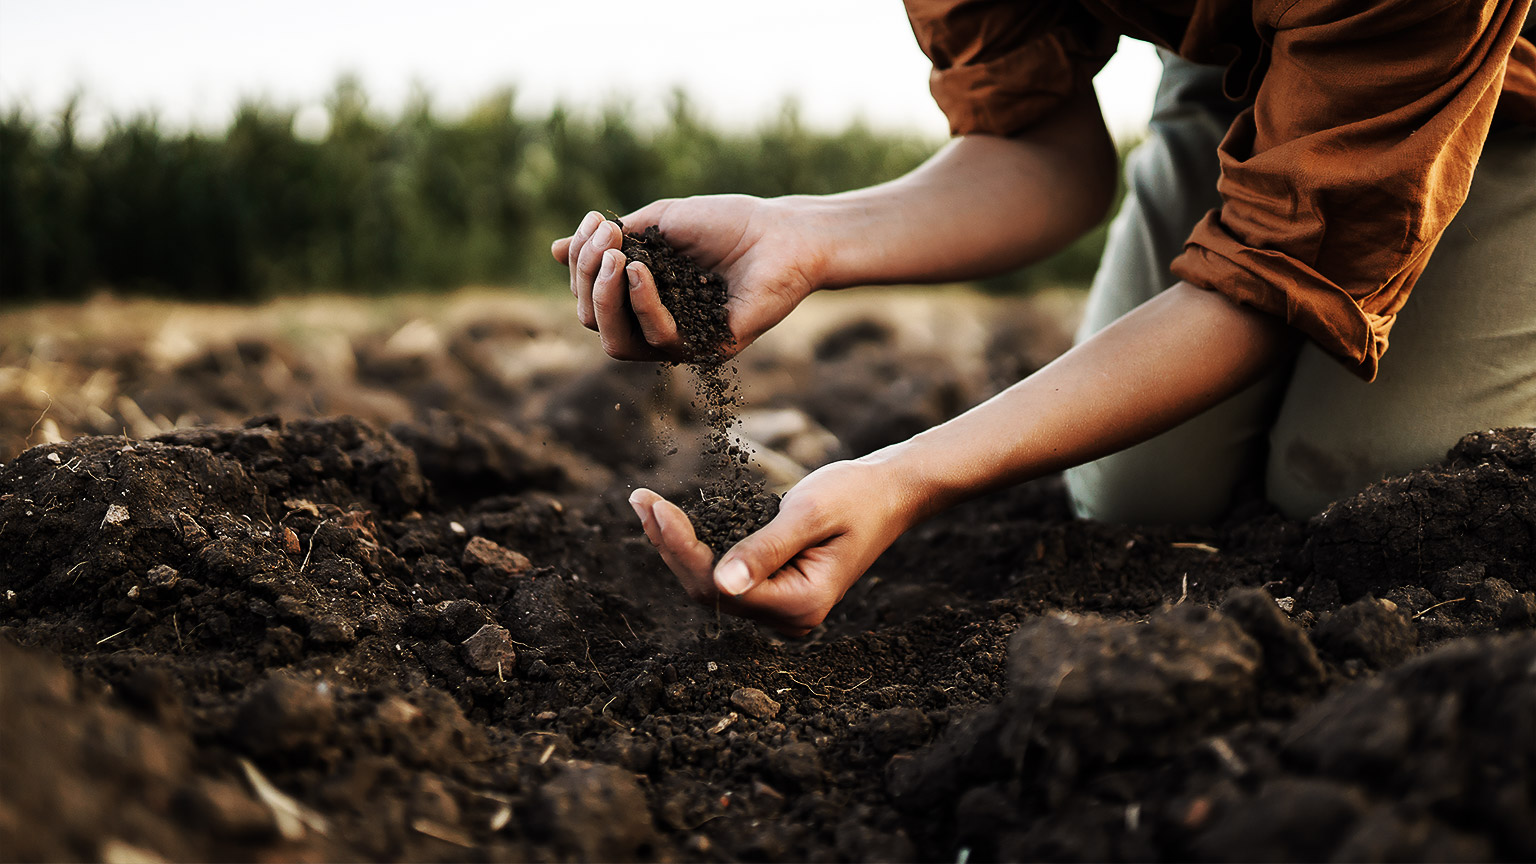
x=437, y=634
x=731, y=502
x=282, y=640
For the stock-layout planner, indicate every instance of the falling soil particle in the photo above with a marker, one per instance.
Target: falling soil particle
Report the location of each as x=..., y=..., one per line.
x=731, y=503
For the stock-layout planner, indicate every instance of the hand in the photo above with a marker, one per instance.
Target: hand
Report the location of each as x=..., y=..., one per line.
x=830, y=529
x=762, y=248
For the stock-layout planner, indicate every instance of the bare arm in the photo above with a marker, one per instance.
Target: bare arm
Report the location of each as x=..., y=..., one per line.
x=980, y=206
x=1166, y=361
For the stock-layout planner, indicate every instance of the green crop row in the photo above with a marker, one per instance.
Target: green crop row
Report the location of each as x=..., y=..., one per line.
x=379, y=204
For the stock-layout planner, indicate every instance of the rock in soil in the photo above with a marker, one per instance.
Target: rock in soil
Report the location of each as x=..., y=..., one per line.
x=480, y=553
x=490, y=650
x=755, y=703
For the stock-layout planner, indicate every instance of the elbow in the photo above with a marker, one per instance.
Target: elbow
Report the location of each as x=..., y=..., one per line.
x=1083, y=167
x=1095, y=175
x=1101, y=186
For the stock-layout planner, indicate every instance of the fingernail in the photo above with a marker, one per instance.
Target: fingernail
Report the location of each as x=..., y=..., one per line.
x=733, y=578
x=588, y=223
x=607, y=269
x=639, y=511
x=600, y=236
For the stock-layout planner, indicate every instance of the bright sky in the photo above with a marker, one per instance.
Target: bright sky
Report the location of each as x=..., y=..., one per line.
x=190, y=60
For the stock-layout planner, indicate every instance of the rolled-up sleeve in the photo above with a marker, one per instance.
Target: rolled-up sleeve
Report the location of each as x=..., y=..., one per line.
x=1337, y=184
x=999, y=67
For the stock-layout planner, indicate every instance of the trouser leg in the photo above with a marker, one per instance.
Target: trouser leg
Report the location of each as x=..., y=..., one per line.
x=1189, y=473
x=1461, y=356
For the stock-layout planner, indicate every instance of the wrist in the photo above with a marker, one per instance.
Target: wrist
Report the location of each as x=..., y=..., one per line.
x=812, y=224
x=916, y=487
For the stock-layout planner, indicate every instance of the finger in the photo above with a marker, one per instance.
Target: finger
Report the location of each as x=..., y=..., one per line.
x=604, y=237
x=643, y=500
x=687, y=558
x=646, y=216
x=761, y=554
x=789, y=602
x=561, y=249
x=680, y=548
x=684, y=554
x=610, y=303
x=588, y=224
x=656, y=324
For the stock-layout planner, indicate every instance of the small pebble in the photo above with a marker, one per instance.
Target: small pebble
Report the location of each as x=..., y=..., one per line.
x=490, y=649
x=755, y=703
x=483, y=553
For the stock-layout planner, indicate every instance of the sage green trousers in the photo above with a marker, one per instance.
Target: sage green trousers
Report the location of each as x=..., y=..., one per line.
x=1462, y=357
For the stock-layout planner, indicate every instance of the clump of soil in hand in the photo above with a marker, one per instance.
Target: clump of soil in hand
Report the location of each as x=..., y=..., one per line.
x=731, y=503
x=695, y=296
x=730, y=509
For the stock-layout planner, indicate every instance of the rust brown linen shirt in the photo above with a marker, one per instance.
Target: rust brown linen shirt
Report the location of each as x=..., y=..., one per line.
x=1366, y=120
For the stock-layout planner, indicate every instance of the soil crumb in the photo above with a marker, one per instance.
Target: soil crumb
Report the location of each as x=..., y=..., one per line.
x=731, y=502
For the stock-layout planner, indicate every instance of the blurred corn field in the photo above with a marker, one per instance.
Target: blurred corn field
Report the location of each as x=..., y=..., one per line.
x=380, y=204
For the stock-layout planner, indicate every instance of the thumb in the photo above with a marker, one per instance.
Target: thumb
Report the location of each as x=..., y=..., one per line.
x=646, y=216
x=561, y=249
x=761, y=555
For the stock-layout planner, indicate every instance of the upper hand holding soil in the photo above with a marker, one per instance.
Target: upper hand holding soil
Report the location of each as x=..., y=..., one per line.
x=756, y=245
x=828, y=531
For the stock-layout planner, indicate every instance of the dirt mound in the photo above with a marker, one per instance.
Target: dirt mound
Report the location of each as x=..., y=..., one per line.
x=321, y=640
x=1478, y=511
x=1155, y=736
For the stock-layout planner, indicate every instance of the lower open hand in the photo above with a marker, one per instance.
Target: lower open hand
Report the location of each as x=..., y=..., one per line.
x=788, y=575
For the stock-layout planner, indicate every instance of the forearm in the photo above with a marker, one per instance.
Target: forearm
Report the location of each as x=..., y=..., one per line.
x=1165, y=362
x=981, y=206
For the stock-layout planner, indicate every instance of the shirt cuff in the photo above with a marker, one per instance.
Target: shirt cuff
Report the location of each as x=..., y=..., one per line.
x=1008, y=93
x=1280, y=285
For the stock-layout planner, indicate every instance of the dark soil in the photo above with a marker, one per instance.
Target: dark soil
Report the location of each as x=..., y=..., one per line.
x=318, y=640
x=731, y=502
